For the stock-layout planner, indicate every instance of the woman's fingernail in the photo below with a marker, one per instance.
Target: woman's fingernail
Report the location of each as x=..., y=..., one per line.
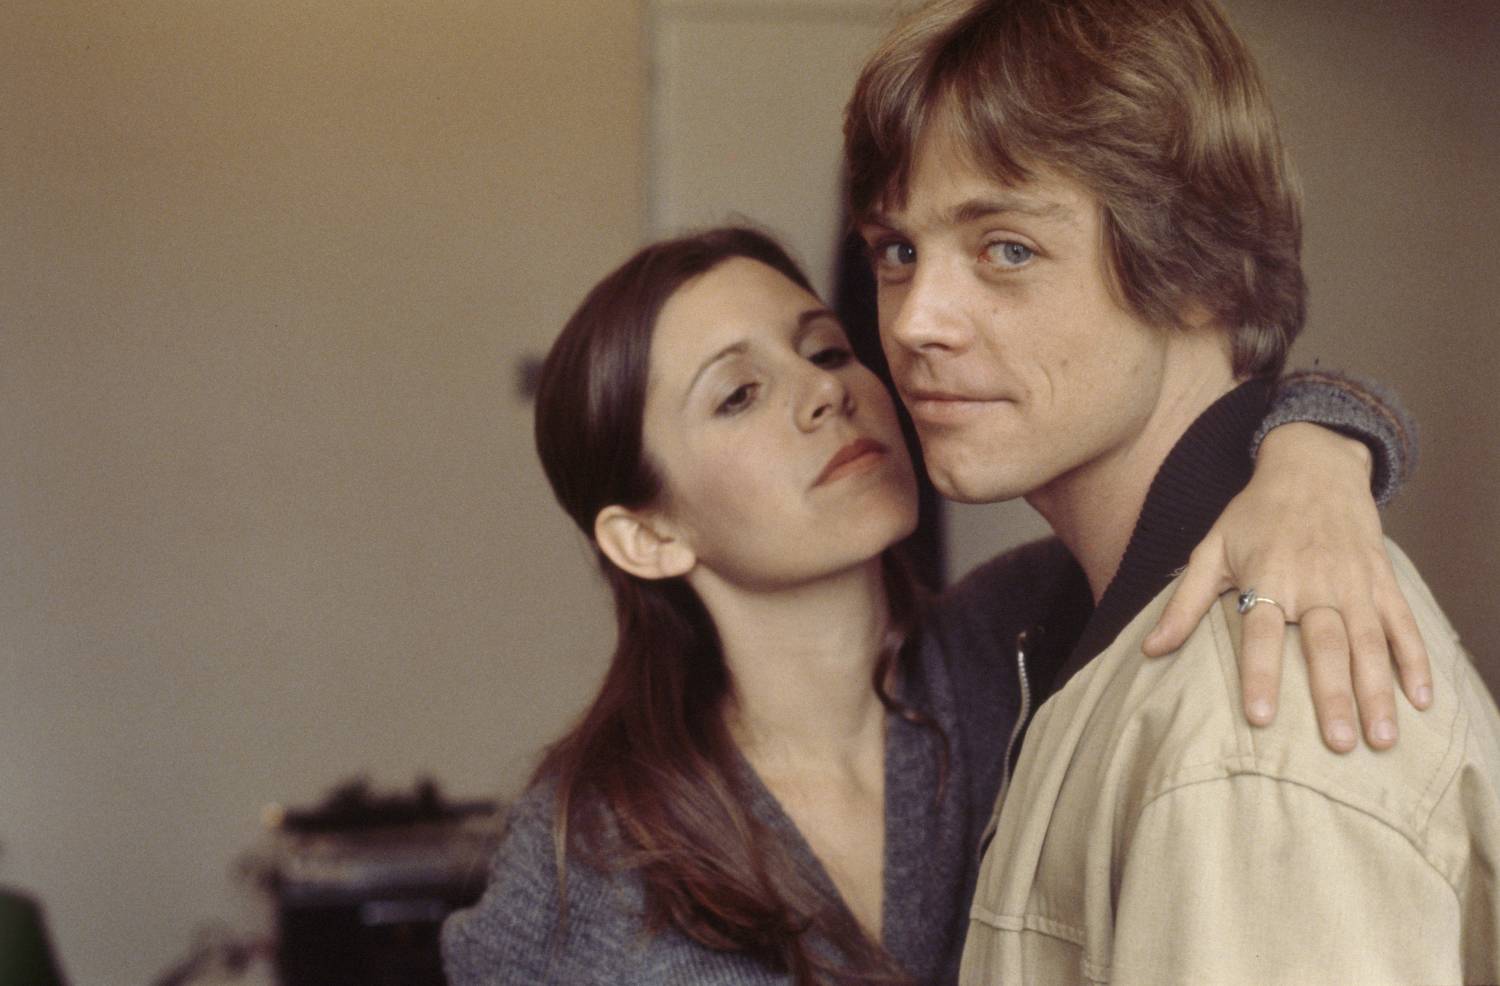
x=1424, y=695
x=1384, y=731
x=1260, y=712
x=1341, y=734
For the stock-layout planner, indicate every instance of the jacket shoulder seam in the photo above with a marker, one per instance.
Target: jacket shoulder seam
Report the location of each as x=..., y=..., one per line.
x=1229, y=771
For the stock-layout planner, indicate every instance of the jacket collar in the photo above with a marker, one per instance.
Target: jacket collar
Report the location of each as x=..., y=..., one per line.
x=1207, y=467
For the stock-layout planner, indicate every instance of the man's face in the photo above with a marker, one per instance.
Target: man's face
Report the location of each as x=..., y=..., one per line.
x=1020, y=368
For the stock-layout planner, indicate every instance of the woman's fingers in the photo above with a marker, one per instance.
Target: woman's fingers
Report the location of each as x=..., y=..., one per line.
x=1353, y=647
x=1326, y=647
x=1349, y=649
x=1261, y=639
x=1405, y=639
x=1205, y=579
x=1331, y=574
x=1370, y=669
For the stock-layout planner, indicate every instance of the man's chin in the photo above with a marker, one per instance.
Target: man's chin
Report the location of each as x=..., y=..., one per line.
x=962, y=486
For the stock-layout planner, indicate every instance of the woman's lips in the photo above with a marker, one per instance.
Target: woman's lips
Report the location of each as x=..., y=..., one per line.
x=857, y=456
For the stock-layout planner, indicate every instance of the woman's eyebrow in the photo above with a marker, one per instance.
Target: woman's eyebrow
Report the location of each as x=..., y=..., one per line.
x=807, y=319
x=738, y=348
x=805, y=322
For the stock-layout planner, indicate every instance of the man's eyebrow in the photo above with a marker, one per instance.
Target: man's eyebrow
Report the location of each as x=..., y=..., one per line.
x=985, y=207
x=805, y=322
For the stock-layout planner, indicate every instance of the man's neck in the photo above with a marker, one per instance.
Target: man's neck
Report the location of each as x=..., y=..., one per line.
x=1093, y=509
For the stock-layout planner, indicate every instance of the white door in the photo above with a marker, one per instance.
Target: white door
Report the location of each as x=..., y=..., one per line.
x=747, y=100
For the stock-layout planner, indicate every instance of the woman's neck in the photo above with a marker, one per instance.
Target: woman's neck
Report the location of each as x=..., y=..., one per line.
x=800, y=662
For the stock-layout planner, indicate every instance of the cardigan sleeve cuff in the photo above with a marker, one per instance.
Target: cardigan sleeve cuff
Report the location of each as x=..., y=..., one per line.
x=1352, y=406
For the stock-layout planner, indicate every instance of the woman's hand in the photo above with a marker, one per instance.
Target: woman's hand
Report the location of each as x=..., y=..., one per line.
x=1306, y=533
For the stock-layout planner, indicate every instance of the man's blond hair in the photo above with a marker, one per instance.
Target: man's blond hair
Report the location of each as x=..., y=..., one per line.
x=1155, y=106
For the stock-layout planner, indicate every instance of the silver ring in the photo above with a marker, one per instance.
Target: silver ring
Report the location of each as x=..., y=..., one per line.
x=1249, y=599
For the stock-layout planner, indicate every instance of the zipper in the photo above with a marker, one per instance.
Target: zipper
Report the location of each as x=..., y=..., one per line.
x=1023, y=639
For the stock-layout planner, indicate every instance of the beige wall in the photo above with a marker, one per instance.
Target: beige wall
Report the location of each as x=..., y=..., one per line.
x=1390, y=110
x=271, y=514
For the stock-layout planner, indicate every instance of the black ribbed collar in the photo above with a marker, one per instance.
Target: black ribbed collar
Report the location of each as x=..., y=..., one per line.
x=1203, y=472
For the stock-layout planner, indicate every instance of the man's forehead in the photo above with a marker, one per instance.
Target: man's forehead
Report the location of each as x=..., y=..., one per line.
x=962, y=194
x=949, y=182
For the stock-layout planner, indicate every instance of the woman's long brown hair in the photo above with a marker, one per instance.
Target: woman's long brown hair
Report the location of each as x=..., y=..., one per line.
x=649, y=778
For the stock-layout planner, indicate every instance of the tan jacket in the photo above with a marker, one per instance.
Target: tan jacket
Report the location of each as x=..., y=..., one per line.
x=1151, y=836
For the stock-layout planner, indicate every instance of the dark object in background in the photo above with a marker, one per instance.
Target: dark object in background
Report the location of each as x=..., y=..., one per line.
x=363, y=882
x=217, y=954
x=26, y=957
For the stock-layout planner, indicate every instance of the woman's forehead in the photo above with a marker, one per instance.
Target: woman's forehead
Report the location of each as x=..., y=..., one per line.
x=738, y=301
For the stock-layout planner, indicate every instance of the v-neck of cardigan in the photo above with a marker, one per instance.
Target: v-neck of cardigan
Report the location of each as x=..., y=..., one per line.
x=903, y=842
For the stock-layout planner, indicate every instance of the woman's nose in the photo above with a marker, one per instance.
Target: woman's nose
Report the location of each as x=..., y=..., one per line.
x=826, y=395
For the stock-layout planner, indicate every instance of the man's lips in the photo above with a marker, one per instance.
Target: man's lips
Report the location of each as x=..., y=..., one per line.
x=858, y=455
x=939, y=406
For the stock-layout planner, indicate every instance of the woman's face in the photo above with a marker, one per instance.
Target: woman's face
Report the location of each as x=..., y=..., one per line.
x=781, y=455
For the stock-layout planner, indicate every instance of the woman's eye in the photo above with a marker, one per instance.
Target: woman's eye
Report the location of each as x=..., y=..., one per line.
x=832, y=357
x=738, y=399
x=1009, y=253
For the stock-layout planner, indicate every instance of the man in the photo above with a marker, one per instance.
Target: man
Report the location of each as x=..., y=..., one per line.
x=1087, y=248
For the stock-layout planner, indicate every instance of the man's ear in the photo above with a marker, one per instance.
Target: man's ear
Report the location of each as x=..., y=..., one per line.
x=643, y=544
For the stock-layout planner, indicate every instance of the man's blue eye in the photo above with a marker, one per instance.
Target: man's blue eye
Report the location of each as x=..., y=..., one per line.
x=1009, y=253
x=898, y=252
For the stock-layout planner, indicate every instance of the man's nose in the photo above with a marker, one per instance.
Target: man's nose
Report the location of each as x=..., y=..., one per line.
x=926, y=317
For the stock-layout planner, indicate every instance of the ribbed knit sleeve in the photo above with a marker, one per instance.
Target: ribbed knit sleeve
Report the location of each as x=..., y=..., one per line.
x=1355, y=407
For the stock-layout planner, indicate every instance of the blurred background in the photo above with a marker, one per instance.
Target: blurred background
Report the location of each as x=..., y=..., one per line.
x=270, y=277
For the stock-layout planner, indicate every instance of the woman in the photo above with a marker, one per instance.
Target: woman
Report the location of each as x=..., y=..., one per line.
x=781, y=779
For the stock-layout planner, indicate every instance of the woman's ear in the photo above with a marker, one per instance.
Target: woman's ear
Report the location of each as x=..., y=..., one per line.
x=1197, y=316
x=642, y=544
